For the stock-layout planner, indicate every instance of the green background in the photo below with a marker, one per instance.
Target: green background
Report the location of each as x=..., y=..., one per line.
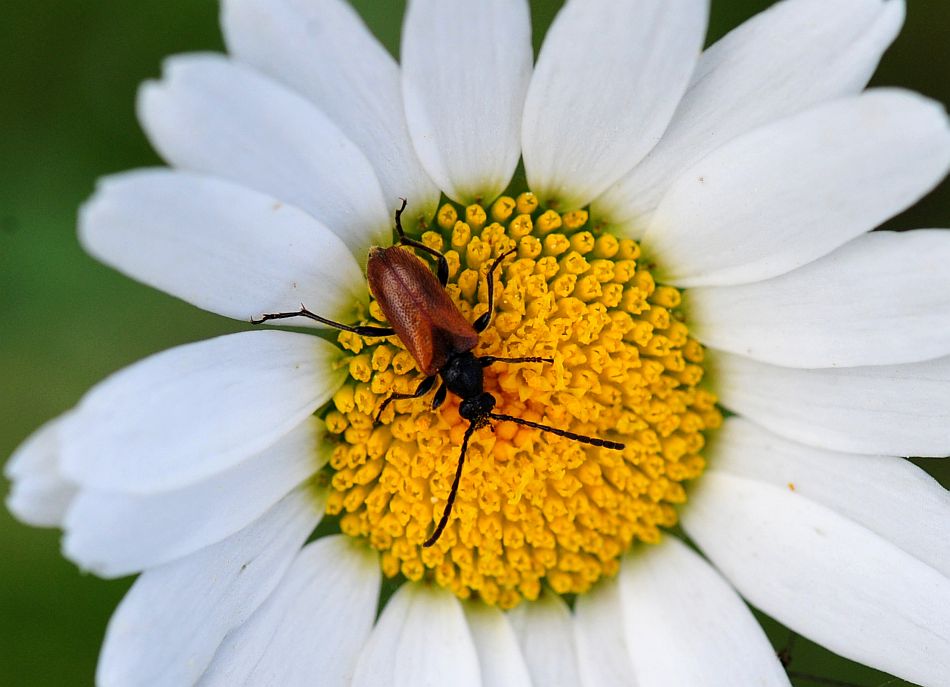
x=69, y=72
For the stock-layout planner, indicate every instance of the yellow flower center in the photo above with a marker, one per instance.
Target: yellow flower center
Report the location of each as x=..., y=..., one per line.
x=532, y=508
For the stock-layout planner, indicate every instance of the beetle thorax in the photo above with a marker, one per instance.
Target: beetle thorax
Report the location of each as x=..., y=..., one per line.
x=464, y=375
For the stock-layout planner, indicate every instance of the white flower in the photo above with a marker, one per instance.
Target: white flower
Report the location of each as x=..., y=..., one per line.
x=750, y=174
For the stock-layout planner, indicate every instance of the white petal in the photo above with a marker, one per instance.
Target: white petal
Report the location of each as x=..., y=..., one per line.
x=890, y=496
x=499, y=657
x=184, y=414
x=545, y=630
x=608, y=79
x=171, y=622
x=421, y=638
x=880, y=299
x=824, y=576
x=791, y=56
x=686, y=625
x=222, y=247
x=114, y=534
x=465, y=72
x=311, y=630
x=900, y=410
x=603, y=653
x=789, y=192
x=209, y=114
x=322, y=49
x=39, y=493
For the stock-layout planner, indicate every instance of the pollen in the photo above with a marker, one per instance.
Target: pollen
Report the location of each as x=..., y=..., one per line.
x=533, y=510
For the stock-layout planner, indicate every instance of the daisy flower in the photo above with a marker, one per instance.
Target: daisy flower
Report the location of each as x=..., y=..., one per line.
x=691, y=237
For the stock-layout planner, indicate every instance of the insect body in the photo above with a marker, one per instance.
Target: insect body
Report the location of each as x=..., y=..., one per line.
x=439, y=338
x=418, y=308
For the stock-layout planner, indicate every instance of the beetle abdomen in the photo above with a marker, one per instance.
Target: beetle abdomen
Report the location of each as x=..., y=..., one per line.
x=417, y=307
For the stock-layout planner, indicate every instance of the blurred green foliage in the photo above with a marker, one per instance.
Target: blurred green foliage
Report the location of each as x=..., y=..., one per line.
x=69, y=73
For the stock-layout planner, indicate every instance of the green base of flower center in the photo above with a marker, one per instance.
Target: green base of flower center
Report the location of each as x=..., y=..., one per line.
x=532, y=507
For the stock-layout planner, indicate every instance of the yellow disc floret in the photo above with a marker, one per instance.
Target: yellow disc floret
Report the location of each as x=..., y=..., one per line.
x=532, y=508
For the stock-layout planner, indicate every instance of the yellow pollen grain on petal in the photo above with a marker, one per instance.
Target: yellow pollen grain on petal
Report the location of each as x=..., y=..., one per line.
x=555, y=244
x=583, y=242
x=461, y=235
x=522, y=225
x=475, y=216
x=667, y=296
x=575, y=219
x=447, y=216
x=532, y=509
x=628, y=250
x=526, y=203
x=548, y=222
x=502, y=209
x=606, y=246
x=374, y=312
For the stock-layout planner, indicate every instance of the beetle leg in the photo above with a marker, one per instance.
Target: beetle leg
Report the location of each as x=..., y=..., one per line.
x=439, y=397
x=424, y=387
x=481, y=324
x=361, y=330
x=442, y=271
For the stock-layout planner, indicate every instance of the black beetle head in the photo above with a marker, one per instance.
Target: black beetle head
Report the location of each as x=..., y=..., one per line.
x=477, y=408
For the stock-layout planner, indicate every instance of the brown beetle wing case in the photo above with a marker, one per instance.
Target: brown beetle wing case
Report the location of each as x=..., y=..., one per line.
x=418, y=308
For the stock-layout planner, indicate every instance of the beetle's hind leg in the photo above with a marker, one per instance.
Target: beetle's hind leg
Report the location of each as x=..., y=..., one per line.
x=361, y=330
x=440, y=394
x=442, y=270
x=425, y=386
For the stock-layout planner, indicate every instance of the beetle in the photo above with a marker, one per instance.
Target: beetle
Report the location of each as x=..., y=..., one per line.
x=439, y=338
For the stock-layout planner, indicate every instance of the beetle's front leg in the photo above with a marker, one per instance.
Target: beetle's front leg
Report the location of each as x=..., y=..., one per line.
x=425, y=386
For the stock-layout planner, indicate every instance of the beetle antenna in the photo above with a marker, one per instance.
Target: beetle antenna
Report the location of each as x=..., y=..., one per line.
x=593, y=441
x=442, y=272
x=399, y=230
x=455, y=488
x=487, y=360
